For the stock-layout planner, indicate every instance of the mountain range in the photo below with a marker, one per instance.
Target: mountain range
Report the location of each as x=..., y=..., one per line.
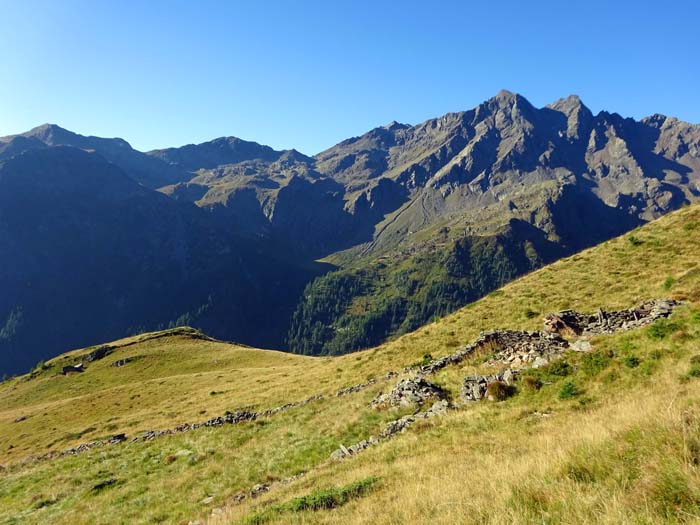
x=318, y=255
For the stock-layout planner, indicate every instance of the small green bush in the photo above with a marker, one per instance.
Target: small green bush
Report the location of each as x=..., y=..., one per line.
x=669, y=282
x=631, y=361
x=569, y=390
x=427, y=358
x=559, y=368
x=634, y=241
x=661, y=328
x=647, y=368
x=694, y=371
x=318, y=500
x=595, y=362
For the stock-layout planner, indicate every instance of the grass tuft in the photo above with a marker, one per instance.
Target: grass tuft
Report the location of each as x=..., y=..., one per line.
x=569, y=390
x=320, y=500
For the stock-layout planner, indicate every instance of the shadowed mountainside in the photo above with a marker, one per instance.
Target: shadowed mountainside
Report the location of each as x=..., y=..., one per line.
x=92, y=254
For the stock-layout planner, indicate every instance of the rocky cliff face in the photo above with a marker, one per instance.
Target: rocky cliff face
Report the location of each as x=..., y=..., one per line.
x=507, y=159
x=474, y=170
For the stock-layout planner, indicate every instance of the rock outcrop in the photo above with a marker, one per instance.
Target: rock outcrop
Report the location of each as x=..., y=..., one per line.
x=411, y=391
x=571, y=322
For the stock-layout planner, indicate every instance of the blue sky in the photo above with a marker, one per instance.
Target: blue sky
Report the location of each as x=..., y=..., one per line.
x=307, y=74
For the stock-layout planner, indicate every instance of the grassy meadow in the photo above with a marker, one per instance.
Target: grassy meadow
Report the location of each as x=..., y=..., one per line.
x=611, y=437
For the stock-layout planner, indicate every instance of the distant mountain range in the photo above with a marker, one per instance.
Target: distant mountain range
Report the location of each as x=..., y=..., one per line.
x=98, y=240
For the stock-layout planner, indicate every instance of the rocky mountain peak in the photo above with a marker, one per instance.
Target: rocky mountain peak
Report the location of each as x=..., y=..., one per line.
x=505, y=109
x=396, y=126
x=570, y=105
x=55, y=135
x=579, y=117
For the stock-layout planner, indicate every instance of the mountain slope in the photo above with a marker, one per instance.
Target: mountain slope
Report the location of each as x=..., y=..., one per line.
x=92, y=254
x=417, y=220
x=276, y=194
x=556, y=179
x=621, y=449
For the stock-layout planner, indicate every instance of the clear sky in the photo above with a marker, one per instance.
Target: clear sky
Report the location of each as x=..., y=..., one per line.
x=307, y=74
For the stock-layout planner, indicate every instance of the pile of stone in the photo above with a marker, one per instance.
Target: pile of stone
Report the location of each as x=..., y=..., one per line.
x=512, y=348
x=475, y=388
x=409, y=391
x=571, y=322
x=517, y=349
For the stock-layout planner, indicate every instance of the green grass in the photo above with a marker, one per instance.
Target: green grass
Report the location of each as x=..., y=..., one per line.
x=324, y=499
x=625, y=450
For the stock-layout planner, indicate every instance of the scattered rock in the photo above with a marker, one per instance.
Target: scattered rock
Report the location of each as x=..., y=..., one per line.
x=207, y=500
x=581, y=346
x=539, y=362
x=20, y=419
x=259, y=489
x=439, y=408
x=337, y=455
x=474, y=388
x=355, y=388
x=238, y=416
x=408, y=392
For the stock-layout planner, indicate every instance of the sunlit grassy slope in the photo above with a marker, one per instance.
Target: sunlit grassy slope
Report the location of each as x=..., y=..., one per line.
x=624, y=448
